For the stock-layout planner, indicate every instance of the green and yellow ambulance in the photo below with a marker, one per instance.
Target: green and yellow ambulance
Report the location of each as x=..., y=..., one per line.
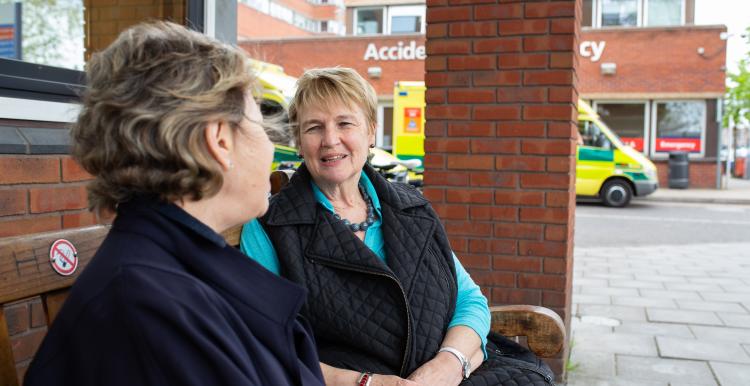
x=606, y=168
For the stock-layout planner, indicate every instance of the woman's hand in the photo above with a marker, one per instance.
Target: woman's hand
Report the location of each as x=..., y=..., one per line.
x=392, y=380
x=335, y=376
x=443, y=370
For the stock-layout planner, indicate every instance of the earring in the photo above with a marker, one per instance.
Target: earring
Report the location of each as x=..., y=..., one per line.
x=300, y=156
x=372, y=146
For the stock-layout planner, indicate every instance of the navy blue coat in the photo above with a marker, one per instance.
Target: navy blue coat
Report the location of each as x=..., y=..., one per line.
x=166, y=302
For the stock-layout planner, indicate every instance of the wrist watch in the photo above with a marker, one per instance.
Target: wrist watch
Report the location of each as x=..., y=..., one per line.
x=465, y=364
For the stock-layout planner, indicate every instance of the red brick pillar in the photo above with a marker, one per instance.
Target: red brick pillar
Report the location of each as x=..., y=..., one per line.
x=500, y=148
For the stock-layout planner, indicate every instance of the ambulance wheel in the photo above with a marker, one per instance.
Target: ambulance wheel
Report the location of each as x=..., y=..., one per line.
x=616, y=193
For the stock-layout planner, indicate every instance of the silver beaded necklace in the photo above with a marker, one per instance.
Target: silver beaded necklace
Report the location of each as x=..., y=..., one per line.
x=362, y=226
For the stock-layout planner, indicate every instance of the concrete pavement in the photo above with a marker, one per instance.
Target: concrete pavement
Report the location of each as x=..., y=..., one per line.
x=737, y=192
x=662, y=316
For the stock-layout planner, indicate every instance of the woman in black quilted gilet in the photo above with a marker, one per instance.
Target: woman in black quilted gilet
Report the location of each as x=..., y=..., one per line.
x=388, y=301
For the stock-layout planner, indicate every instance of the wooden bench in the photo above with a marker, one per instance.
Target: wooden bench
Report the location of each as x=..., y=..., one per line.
x=26, y=272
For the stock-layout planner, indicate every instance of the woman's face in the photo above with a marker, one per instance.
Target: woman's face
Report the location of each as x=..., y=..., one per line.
x=334, y=141
x=253, y=155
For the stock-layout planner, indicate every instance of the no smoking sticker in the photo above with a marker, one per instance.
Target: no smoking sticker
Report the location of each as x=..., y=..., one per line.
x=63, y=257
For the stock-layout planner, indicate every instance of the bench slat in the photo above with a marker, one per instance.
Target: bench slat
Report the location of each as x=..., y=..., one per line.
x=25, y=268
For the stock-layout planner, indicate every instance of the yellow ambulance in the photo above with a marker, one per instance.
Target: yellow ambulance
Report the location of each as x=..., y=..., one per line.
x=606, y=168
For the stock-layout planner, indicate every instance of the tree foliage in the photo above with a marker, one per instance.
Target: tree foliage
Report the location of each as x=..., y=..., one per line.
x=737, y=106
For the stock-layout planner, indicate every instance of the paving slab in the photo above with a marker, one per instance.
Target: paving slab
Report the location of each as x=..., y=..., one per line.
x=698, y=349
x=686, y=295
x=594, y=364
x=620, y=283
x=662, y=279
x=644, y=302
x=725, y=296
x=734, y=335
x=614, y=312
x=735, y=320
x=608, y=275
x=655, y=329
x=618, y=343
x=736, y=288
x=711, y=306
x=730, y=374
x=609, y=291
x=589, y=281
x=668, y=370
x=683, y=316
x=708, y=287
x=591, y=299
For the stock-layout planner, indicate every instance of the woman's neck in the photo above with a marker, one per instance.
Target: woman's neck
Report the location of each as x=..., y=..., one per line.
x=344, y=195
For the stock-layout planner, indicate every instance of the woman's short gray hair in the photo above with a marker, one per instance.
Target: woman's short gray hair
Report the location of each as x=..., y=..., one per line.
x=323, y=86
x=150, y=95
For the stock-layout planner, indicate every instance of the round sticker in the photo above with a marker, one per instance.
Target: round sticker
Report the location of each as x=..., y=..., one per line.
x=63, y=257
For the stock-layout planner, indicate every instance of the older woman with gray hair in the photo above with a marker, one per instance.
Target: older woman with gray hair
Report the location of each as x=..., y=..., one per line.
x=174, y=140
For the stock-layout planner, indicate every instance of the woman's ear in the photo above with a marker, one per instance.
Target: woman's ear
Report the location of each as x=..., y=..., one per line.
x=220, y=143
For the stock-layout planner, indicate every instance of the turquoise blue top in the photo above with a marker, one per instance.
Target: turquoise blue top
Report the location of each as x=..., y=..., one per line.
x=471, y=306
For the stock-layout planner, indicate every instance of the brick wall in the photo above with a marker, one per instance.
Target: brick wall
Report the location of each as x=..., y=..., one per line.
x=499, y=163
x=297, y=55
x=253, y=23
x=41, y=189
x=105, y=19
x=702, y=174
x=656, y=61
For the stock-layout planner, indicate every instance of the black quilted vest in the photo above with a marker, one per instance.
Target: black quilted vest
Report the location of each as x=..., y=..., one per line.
x=367, y=315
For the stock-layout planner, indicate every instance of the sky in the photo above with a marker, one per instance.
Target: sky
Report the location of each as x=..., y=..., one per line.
x=735, y=14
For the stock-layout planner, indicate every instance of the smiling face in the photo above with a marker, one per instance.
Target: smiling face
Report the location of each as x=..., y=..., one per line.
x=334, y=140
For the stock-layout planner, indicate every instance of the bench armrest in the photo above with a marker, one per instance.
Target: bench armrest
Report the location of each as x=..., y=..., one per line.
x=543, y=328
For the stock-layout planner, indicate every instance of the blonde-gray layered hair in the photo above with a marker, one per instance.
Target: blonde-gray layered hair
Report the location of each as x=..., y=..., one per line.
x=150, y=95
x=323, y=86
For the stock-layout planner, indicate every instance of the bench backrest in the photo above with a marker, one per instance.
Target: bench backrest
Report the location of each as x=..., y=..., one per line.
x=26, y=272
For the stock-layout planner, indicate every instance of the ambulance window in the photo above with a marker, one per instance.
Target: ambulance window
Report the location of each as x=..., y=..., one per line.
x=592, y=135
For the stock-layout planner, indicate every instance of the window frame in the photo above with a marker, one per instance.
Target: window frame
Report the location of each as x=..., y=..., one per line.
x=407, y=10
x=646, y=118
x=355, y=22
x=642, y=15
x=661, y=155
x=683, y=14
x=22, y=83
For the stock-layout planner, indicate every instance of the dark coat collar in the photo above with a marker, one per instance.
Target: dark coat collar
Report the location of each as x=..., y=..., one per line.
x=225, y=268
x=292, y=205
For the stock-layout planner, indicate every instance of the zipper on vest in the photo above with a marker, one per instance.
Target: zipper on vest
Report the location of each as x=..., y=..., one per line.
x=403, y=294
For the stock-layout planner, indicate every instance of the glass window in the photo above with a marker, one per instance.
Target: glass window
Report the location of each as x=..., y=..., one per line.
x=619, y=12
x=680, y=126
x=664, y=12
x=369, y=21
x=592, y=135
x=406, y=24
x=627, y=120
x=49, y=32
x=588, y=12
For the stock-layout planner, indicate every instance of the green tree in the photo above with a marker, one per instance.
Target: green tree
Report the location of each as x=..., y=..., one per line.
x=737, y=100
